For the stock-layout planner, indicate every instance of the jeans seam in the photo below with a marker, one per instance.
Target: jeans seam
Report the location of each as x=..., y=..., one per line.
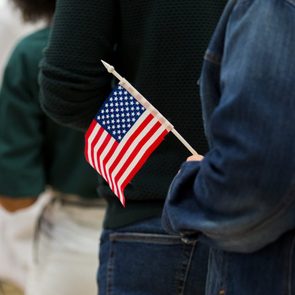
x=188, y=265
x=188, y=251
x=291, y=254
x=110, y=268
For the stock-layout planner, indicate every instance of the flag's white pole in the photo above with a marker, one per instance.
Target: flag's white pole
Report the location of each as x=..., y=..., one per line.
x=124, y=83
x=184, y=142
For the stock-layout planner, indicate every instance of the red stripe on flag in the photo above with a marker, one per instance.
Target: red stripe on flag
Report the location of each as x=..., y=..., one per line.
x=107, y=157
x=90, y=129
x=86, y=136
x=136, y=151
x=94, y=142
x=142, y=161
x=101, y=149
x=127, y=144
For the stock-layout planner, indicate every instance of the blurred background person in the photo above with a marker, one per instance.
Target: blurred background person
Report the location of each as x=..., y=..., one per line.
x=12, y=28
x=13, y=261
x=37, y=156
x=158, y=45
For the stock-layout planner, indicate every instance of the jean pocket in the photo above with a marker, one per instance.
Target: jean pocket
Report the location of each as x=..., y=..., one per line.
x=267, y=271
x=140, y=263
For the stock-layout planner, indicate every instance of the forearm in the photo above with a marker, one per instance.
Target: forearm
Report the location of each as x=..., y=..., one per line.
x=12, y=204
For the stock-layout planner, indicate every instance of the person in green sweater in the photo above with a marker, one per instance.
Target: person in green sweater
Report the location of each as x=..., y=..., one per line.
x=37, y=155
x=158, y=46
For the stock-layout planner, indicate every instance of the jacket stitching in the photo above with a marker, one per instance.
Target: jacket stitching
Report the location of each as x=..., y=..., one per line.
x=285, y=203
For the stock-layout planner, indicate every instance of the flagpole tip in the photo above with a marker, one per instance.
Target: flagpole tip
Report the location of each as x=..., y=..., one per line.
x=109, y=68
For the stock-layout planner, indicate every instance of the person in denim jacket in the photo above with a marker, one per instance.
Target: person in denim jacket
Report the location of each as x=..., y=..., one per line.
x=240, y=197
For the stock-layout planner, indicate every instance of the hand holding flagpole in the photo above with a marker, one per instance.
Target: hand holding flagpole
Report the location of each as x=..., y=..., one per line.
x=123, y=134
x=124, y=83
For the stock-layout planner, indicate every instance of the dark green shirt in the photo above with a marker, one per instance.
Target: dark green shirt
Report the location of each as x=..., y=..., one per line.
x=35, y=151
x=158, y=46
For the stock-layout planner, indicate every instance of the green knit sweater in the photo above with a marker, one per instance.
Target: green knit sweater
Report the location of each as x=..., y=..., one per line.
x=158, y=45
x=35, y=152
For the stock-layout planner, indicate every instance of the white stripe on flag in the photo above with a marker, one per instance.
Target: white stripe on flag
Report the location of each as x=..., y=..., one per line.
x=122, y=143
x=96, y=147
x=90, y=140
x=139, y=155
x=104, y=154
x=131, y=148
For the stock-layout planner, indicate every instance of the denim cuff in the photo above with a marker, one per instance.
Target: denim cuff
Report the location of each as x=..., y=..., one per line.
x=179, y=199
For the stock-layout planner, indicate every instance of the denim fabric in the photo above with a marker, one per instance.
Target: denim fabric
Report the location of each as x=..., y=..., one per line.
x=269, y=271
x=241, y=196
x=156, y=264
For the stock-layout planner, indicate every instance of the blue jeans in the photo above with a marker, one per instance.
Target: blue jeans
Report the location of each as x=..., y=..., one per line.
x=267, y=271
x=142, y=259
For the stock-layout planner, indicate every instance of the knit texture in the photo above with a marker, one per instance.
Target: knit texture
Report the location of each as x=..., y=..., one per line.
x=158, y=46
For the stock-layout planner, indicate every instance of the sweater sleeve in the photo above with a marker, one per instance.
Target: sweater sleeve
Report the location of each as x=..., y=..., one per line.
x=22, y=172
x=73, y=81
x=241, y=196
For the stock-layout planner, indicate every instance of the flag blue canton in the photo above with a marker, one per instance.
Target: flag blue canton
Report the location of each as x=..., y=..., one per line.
x=119, y=113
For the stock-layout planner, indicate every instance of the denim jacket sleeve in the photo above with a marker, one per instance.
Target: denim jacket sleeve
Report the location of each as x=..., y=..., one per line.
x=241, y=196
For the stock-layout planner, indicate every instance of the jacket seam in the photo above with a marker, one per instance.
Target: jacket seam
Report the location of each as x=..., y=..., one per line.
x=291, y=2
x=286, y=203
x=211, y=57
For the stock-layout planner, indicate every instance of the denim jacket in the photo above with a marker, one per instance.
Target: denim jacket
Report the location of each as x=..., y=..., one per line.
x=241, y=196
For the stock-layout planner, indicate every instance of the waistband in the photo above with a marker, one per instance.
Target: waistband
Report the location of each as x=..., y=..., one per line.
x=77, y=200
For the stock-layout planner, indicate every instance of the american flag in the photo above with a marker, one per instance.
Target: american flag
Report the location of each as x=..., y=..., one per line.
x=121, y=137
